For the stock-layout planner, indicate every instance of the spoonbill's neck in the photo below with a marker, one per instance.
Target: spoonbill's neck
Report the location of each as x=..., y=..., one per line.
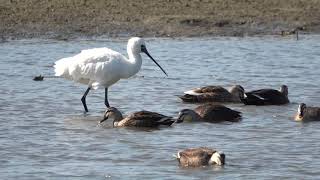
x=133, y=64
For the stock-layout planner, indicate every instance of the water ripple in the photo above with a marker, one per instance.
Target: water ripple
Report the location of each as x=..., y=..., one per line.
x=44, y=132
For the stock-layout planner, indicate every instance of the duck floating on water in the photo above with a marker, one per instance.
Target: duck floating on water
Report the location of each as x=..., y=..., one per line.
x=202, y=156
x=137, y=119
x=267, y=97
x=307, y=113
x=213, y=113
x=214, y=94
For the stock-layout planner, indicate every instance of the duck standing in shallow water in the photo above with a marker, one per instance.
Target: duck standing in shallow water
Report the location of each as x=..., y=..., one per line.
x=209, y=113
x=267, y=97
x=214, y=94
x=138, y=119
x=307, y=113
x=203, y=156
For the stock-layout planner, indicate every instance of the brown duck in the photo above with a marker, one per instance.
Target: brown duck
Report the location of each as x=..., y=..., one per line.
x=203, y=156
x=209, y=113
x=307, y=113
x=138, y=119
x=214, y=94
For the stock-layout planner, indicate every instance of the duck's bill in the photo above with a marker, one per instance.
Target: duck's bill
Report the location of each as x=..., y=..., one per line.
x=147, y=53
x=104, y=119
x=179, y=119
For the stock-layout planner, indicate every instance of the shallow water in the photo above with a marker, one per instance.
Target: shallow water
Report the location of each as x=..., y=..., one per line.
x=45, y=134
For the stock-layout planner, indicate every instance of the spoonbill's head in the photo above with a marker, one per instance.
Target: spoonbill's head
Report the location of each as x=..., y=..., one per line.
x=187, y=115
x=137, y=45
x=112, y=113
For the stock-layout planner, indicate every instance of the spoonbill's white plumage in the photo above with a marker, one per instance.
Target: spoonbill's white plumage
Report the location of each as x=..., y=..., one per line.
x=102, y=67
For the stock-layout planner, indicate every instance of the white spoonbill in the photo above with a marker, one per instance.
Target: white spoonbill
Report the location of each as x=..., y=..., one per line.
x=102, y=67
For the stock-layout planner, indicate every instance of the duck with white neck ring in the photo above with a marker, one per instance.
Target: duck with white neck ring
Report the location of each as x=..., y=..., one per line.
x=103, y=67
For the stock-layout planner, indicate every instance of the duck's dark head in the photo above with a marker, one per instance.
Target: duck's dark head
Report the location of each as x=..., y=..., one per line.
x=112, y=113
x=301, y=109
x=217, y=158
x=187, y=115
x=284, y=90
x=237, y=91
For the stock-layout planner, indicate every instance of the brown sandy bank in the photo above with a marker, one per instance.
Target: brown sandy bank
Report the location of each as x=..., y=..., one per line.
x=175, y=18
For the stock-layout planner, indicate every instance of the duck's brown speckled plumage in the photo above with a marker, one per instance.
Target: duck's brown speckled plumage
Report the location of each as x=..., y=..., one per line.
x=210, y=94
x=217, y=113
x=211, y=89
x=307, y=113
x=145, y=119
x=195, y=157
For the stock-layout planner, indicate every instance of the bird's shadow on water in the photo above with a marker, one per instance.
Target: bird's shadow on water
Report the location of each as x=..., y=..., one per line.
x=213, y=167
x=202, y=169
x=84, y=117
x=306, y=124
x=82, y=120
x=87, y=120
x=206, y=123
x=131, y=129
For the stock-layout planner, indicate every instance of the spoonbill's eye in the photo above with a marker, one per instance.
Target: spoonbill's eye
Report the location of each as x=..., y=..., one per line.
x=143, y=47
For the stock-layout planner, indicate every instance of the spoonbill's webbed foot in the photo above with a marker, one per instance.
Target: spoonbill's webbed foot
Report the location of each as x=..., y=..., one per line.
x=106, y=102
x=83, y=99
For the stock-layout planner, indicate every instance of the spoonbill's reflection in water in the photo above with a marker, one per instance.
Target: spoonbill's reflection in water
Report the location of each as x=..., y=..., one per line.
x=102, y=67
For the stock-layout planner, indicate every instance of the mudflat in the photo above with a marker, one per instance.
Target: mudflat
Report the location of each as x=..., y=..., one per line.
x=156, y=18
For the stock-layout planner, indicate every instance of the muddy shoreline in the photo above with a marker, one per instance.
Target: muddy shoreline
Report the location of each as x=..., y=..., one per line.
x=65, y=19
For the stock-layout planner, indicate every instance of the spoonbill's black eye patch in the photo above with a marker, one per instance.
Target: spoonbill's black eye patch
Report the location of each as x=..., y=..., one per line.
x=143, y=48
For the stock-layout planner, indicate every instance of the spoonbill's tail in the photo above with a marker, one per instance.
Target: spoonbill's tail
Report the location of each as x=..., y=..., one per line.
x=61, y=67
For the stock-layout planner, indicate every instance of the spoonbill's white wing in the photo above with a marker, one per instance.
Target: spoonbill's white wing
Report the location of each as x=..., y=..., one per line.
x=99, y=66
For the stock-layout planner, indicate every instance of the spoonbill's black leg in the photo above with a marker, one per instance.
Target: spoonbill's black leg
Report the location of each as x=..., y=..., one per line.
x=106, y=98
x=83, y=99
